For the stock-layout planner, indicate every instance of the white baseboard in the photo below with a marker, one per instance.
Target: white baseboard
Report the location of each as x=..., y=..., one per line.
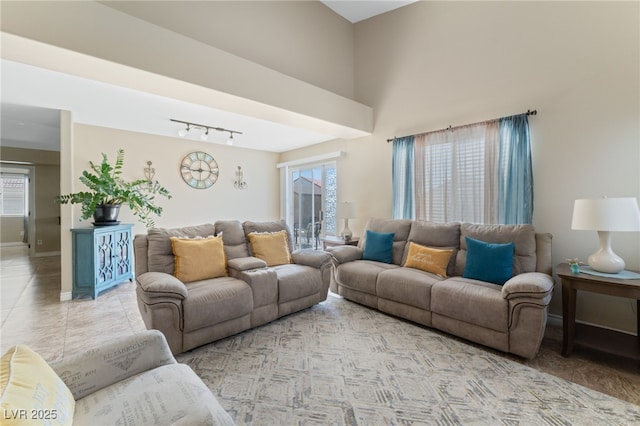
x=65, y=296
x=14, y=244
x=47, y=254
x=556, y=321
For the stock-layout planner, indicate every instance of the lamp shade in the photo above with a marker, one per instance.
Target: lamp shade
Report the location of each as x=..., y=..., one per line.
x=346, y=210
x=606, y=214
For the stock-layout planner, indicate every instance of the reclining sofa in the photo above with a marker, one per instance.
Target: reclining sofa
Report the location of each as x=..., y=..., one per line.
x=132, y=380
x=247, y=292
x=509, y=315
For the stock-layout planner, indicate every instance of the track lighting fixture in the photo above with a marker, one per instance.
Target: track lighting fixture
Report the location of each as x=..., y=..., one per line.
x=205, y=130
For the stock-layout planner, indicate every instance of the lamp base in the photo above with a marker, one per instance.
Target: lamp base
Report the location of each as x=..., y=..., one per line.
x=605, y=260
x=346, y=233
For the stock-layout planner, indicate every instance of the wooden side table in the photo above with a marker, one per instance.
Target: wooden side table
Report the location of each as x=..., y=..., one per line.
x=614, y=342
x=331, y=241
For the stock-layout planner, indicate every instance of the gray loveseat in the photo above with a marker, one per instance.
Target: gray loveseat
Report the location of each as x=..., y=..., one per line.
x=250, y=294
x=510, y=317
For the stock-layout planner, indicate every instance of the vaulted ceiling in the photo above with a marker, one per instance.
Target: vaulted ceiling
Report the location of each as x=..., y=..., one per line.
x=33, y=96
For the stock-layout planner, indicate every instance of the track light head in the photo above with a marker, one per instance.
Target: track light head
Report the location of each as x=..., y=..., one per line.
x=205, y=135
x=230, y=140
x=183, y=132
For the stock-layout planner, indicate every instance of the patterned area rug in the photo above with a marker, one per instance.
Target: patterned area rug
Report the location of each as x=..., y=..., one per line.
x=344, y=364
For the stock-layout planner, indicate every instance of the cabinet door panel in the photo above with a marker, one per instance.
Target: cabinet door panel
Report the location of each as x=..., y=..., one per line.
x=105, y=266
x=123, y=253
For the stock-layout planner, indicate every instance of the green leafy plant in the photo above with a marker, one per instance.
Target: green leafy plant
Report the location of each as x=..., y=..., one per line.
x=106, y=186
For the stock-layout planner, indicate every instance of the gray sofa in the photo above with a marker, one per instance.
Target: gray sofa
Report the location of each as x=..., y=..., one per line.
x=135, y=380
x=510, y=317
x=195, y=313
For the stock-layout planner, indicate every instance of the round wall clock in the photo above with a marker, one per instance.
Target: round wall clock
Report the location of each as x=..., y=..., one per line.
x=199, y=170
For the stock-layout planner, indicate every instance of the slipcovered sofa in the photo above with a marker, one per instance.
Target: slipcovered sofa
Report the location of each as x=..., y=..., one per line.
x=509, y=316
x=134, y=380
x=246, y=292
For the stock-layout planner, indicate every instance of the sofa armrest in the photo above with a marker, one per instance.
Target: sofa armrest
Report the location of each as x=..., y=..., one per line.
x=313, y=258
x=535, y=285
x=344, y=254
x=240, y=264
x=160, y=284
x=98, y=368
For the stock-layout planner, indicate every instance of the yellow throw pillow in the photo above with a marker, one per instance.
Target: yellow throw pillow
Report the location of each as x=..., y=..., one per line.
x=31, y=392
x=428, y=259
x=198, y=258
x=272, y=247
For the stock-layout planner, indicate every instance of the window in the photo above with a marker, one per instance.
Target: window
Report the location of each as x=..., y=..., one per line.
x=478, y=173
x=13, y=194
x=451, y=172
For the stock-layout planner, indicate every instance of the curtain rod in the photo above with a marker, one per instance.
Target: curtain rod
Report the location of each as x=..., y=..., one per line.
x=529, y=112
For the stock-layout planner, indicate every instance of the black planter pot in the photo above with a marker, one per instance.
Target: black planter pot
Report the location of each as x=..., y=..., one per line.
x=106, y=214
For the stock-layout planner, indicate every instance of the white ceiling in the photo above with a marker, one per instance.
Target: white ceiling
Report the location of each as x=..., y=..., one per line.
x=33, y=96
x=359, y=10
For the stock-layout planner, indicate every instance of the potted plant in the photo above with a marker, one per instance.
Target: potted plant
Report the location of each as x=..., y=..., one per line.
x=107, y=191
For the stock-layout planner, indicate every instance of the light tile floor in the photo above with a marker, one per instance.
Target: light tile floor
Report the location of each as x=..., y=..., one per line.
x=32, y=314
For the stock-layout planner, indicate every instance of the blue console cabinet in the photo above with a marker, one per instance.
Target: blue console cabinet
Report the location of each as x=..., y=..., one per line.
x=101, y=258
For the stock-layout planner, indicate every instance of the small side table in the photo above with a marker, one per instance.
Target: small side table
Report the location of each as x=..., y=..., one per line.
x=330, y=241
x=614, y=342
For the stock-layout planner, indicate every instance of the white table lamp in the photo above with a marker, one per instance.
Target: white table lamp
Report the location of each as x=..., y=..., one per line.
x=346, y=210
x=606, y=215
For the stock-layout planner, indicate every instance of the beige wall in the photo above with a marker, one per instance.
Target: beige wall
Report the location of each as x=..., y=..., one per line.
x=302, y=39
x=11, y=230
x=47, y=220
x=430, y=65
x=187, y=206
x=46, y=176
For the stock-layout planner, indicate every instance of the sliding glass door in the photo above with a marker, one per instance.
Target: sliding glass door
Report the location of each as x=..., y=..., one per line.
x=311, y=204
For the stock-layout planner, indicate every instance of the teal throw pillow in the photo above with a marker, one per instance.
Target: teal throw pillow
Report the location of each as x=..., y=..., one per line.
x=489, y=262
x=378, y=246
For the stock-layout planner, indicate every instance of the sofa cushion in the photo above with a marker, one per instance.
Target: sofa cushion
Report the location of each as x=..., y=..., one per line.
x=489, y=262
x=214, y=301
x=297, y=281
x=406, y=285
x=272, y=247
x=235, y=243
x=428, y=259
x=361, y=275
x=522, y=236
x=28, y=386
x=438, y=235
x=160, y=254
x=400, y=229
x=379, y=247
x=170, y=394
x=471, y=301
x=435, y=234
x=274, y=226
x=198, y=258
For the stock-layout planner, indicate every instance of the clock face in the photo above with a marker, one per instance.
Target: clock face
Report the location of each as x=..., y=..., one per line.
x=199, y=170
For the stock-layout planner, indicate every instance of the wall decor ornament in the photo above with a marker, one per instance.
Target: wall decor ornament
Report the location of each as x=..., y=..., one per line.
x=149, y=174
x=239, y=183
x=199, y=170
